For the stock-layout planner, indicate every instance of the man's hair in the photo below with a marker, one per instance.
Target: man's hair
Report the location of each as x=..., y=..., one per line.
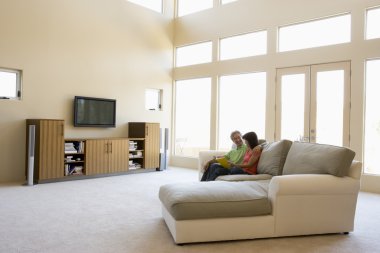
x=234, y=132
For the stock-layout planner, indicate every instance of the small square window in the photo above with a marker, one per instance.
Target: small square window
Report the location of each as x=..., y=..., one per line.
x=153, y=99
x=10, y=84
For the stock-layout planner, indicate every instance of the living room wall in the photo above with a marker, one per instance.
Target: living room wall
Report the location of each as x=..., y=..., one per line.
x=109, y=49
x=245, y=16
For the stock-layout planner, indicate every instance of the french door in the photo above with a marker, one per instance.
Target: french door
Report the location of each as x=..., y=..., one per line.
x=313, y=103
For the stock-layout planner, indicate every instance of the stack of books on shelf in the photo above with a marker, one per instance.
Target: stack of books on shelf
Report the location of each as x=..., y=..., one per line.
x=74, y=147
x=70, y=148
x=134, y=166
x=80, y=146
x=132, y=145
x=69, y=158
x=71, y=169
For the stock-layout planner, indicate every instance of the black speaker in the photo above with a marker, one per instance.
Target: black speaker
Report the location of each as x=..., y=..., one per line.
x=164, y=146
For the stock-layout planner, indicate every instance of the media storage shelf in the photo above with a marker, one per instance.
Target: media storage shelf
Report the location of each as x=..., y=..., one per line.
x=136, y=153
x=74, y=157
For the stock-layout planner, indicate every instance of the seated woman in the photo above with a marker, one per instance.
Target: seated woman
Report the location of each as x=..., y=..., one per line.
x=251, y=157
x=248, y=166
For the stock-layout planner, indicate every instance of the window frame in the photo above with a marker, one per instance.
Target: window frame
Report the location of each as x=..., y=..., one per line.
x=175, y=113
x=148, y=7
x=189, y=45
x=18, y=83
x=311, y=21
x=178, y=15
x=237, y=35
x=366, y=22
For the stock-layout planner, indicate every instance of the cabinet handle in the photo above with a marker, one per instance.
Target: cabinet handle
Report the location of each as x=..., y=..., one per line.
x=106, y=147
x=110, y=147
x=147, y=131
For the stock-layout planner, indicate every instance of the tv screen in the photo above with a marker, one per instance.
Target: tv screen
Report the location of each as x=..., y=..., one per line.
x=96, y=112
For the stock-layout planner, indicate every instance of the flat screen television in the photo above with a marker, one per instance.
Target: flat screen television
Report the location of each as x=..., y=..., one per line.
x=94, y=112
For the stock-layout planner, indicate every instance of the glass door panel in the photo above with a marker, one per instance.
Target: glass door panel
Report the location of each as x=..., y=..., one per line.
x=292, y=101
x=330, y=98
x=330, y=103
x=313, y=103
x=293, y=110
x=372, y=118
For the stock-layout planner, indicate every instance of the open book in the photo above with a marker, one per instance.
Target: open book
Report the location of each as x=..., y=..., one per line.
x=224, y=162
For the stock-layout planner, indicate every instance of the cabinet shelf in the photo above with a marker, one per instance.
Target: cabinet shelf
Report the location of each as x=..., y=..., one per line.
x=74, y=160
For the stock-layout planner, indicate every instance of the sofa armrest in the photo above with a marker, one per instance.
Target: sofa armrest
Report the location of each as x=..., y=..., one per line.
x=313, y=204
x=205, y=156
x=312, y=184
x=355, y=170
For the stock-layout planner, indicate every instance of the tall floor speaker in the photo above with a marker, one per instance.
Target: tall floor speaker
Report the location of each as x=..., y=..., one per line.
x=31, y=141
x=164, y=146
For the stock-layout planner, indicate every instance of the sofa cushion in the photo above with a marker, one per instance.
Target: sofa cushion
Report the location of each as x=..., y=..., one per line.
x=243, y=177
x=273, y=157
x=313, y=158
x=216, y=199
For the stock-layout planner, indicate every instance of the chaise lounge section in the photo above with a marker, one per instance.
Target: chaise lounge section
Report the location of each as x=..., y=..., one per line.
x=302, y=189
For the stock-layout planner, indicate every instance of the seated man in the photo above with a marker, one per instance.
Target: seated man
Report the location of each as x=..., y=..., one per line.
x=235, y=156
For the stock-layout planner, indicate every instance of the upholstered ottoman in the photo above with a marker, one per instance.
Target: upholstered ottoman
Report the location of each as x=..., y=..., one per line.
x=218, y=199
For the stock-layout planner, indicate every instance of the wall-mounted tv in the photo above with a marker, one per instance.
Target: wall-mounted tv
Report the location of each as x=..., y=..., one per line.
x=94, y=112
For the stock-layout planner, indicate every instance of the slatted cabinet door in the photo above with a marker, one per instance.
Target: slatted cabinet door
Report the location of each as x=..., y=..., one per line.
x=97, y=156
x=105, y=156
x=152, y=145
x=118, y=155
x=49, y=148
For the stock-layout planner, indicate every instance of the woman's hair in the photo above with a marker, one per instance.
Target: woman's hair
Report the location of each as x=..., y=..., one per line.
x=251, y=138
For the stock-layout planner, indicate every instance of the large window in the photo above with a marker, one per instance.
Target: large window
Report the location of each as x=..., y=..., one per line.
x=192, y=116
x=194, y=54
x=10, y=84
x=373, y=21
x=249, y=44
x=242, y=102
x=227, y=1
x=190, y=6
x=372, y=118
x=155, y=5
x=328, y=31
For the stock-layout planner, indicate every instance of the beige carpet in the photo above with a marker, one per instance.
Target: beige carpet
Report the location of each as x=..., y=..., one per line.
x=122, y=214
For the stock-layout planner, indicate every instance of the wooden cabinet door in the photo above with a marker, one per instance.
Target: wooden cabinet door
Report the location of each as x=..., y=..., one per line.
x=97, y=152
x=152, y=145
x=51, y=149
x=118, y=155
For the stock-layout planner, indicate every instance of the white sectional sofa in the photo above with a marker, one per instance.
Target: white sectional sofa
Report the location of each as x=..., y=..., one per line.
x=301, y=189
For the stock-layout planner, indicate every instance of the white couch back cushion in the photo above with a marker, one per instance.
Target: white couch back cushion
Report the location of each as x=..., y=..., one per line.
x=313, y=158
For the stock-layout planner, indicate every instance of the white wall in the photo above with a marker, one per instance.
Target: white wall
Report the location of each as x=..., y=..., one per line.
x=111, y=49
x=251, y=15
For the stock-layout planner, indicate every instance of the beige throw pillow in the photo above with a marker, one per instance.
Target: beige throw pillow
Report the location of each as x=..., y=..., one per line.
x=273, y=157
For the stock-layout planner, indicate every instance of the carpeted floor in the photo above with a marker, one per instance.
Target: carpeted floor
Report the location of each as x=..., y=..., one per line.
x=122, y=214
